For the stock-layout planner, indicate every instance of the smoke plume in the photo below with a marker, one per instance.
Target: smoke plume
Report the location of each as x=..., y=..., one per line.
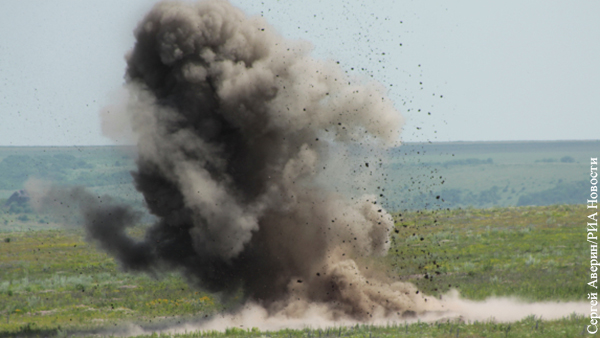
x=237, y=129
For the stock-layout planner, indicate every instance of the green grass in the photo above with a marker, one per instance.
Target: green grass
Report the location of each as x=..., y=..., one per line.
x=572, y=326
x=99, y=168
x=52, y=282
x=517, y=171
x=415, y=173
x=534, y=253
x=529, y=327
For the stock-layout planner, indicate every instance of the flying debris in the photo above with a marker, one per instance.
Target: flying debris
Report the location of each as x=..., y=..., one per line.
x=227, y=115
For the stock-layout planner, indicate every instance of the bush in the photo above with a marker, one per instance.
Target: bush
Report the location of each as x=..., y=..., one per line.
x=567, y=159
x=562, y=193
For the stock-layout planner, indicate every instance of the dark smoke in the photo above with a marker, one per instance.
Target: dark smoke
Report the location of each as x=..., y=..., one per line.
x=236, y=127
x=104, y=219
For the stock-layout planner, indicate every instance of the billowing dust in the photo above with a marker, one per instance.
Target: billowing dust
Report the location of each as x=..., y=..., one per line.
x=244, y=141
x=318, y=316
x=244, y=145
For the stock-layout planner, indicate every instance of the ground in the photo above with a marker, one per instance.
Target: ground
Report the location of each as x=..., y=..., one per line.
x=54, y=283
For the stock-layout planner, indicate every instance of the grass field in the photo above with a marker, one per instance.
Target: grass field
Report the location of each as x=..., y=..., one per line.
x=531, y=252
x=53, y=283
x=459, y=229
x=479, y=174
x=488, y=174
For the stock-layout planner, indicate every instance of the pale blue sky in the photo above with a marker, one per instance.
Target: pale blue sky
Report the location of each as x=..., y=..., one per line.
x=507, y=70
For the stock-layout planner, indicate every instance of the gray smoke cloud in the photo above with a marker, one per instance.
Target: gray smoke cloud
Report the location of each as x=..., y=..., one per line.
x=235, y=128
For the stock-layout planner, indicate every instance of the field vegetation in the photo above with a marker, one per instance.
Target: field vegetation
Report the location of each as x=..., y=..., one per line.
x=485, y=175
x=486, y=219
x=53, y=283
x=463, y=174
x=534, y=253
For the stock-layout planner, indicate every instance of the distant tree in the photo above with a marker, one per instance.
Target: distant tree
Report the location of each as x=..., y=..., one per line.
x=562, y=193
x=567, y=159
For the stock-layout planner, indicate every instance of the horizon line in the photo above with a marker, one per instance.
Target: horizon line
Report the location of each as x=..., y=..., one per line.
x=401, y=143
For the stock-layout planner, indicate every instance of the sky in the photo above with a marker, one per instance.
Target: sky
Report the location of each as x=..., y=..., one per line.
x=457, y=71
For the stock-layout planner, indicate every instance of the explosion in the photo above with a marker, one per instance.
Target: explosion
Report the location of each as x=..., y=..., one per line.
x=236, y=128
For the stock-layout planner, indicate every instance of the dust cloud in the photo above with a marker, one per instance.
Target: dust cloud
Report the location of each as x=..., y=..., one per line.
x=247, y=151
x=235, y=126
x=319, y=316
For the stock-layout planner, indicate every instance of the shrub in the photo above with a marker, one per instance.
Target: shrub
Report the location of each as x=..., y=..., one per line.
x=567, y=159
